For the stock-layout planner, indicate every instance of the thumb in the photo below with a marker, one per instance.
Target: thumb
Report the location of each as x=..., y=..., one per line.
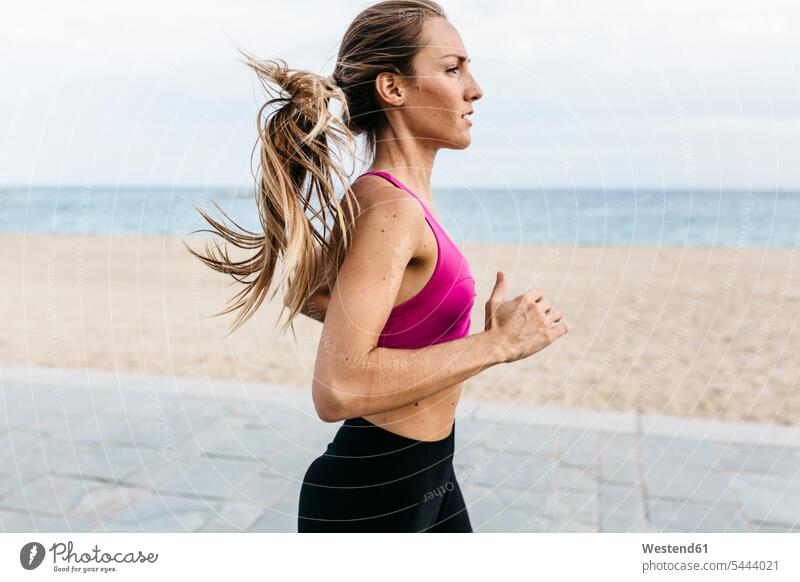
x=500, y=287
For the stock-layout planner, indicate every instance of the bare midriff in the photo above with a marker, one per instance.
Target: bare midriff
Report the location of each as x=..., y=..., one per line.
x=429, y=419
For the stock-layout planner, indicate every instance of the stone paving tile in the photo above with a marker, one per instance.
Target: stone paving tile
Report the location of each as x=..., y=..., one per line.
x=679, y=516
x=483, y=504
x=75, y=402
x=524, y=520
x=140, y=431
x=8, y=483
x=530, y=440
x=16, y=438
x=621, y=508
x=470, y=455
x=111, y=463
x=291, y=495
x=232, y=517
x=488, y=514
x=769, y=498
x=469, y=431
x=25, y=522
x=573, y=479
x=571, y=526
x=510, y=520
x=465, y=474
x=49, y=496
x=688, y=483
x=619, y=459
x=558, y=510
x=40, y=408
x=195, y=475
x=280, y=518
x=24, y=409
x=36, y=458
x=575, y=506
x=264, y=490
x=557, y=417
x=501, y=510
x=703, y=429
x=618, y=469
x=620, y=445
x=517, y=471
x=774, y=528
x=104, y=502
x=47, y=425
x=141, y=401
x=579, y=448
x=287, y=423
x=514, y=439
x=537, y=500
x=243, y=443
x=772, y=460
x=263, y=442
x=14, y=442
x=279, y=417
x=290, y=464
x=248, y=410
x=676, y=453
x=161, y=514
x=625, y=524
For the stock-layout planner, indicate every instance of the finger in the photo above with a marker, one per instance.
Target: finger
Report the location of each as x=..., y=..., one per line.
x=555, y=316
x=500, y=288
x=560, y=329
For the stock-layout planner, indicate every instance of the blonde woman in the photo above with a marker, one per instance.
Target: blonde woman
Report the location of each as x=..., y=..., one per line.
x=393, y=291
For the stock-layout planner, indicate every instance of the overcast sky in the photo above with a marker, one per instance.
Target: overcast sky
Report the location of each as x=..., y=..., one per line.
x=620, y=93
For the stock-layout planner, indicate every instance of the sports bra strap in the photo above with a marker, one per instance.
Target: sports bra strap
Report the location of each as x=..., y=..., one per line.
x=397, y=183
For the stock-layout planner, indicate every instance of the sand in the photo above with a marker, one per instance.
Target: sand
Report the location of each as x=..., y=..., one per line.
x=681, y=331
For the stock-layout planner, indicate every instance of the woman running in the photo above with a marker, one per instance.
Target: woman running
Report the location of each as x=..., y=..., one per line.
x=393, y=291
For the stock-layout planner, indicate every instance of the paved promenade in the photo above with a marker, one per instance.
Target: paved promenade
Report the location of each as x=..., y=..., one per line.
x=115, y=452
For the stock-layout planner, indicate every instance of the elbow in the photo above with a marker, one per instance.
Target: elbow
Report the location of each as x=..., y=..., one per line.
x=330, y=403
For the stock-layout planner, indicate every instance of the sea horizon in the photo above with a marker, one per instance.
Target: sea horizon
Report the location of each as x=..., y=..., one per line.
x=641, y=216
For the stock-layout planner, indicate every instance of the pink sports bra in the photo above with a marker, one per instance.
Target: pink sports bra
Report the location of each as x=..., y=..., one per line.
x=440, y=312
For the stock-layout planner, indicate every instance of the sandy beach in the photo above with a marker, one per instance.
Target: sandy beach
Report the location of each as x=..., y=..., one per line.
x=680, y=331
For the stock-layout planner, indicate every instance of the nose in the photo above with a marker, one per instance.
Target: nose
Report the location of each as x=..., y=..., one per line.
x=475, y=92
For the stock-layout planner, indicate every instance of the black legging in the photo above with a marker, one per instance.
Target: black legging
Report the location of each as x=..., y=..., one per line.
x=372, y=480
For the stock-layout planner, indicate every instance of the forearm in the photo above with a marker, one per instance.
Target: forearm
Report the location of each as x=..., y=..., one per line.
x=386, y=378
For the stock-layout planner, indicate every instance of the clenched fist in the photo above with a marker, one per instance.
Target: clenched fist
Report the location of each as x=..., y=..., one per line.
x=524, y=325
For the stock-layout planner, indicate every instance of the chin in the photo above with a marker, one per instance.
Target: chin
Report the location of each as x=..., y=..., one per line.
x=458, y=143
x=465, y=143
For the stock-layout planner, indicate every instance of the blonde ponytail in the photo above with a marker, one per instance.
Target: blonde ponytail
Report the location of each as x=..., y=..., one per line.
x=300, y=144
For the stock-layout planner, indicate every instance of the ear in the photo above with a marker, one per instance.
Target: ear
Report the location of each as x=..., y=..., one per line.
x=390, y=89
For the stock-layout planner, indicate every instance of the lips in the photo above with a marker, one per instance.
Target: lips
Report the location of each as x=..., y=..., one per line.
x=464, y=117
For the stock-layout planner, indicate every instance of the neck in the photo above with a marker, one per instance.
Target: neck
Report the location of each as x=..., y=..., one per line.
x=407, y=159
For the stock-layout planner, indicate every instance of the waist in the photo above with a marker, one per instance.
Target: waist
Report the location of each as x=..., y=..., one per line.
x=359, y=438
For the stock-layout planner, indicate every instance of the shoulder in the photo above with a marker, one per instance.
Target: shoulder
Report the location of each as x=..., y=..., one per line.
x=380, y=202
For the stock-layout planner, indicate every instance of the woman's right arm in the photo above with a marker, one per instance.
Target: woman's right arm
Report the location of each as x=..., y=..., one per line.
x=353, y=377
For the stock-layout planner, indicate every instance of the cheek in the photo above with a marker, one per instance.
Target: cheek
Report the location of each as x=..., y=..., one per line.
x=441, y=99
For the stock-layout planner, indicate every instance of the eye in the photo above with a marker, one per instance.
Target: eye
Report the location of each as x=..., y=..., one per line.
x=453, y=69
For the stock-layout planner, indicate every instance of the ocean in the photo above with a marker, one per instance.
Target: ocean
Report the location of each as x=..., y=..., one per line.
x=743, y=219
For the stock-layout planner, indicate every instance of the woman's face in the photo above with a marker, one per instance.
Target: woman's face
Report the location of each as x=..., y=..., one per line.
x=442, y=90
